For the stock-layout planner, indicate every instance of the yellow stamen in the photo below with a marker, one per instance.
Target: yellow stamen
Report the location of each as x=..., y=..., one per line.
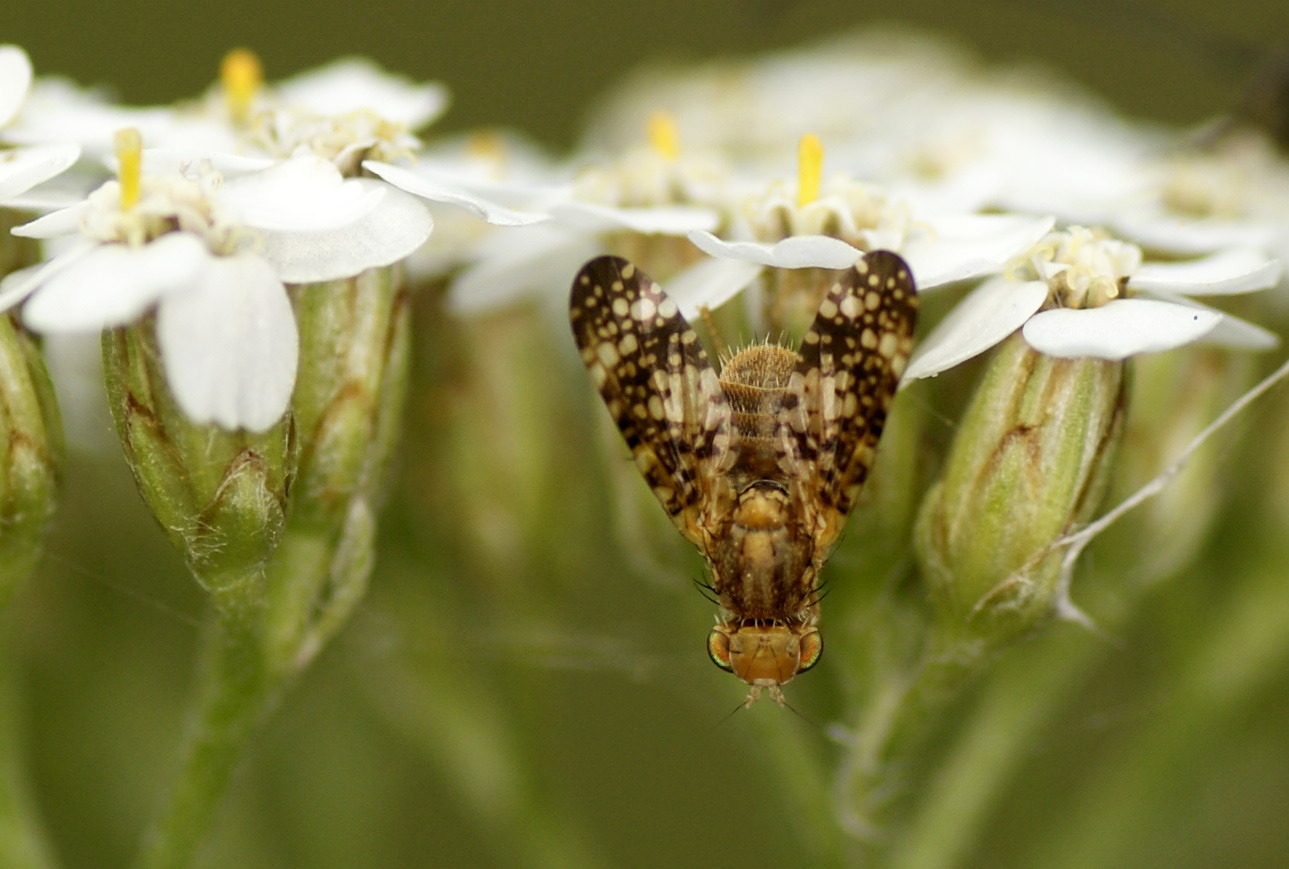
x=662, y=135
x=810, y=167
x=241, y=75
x=129, y=155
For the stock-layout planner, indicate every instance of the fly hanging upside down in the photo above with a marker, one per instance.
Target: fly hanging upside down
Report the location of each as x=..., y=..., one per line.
x=759, y=465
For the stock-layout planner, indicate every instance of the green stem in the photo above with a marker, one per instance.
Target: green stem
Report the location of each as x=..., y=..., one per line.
x=1224, y=673
x=235, y=687
x=996, y=742
x=904, y=705
x=22, y=842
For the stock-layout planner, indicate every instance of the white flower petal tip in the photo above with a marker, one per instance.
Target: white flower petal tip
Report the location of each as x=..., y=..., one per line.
x=64, y=221
x=23, y=168
x=1119, y=329
x=670, y=220
x=1225, y=273
x=438, y=191
x=709, y=284
x=230, y=345
x=795, y=252
x=1237, y=334
x=15, y=81
x=984, y=318
x=113, y=284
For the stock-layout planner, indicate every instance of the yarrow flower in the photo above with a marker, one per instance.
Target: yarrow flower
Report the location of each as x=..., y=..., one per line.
x=830, y=225
x=211, y=256
x=639, y=205
x=1079, y=292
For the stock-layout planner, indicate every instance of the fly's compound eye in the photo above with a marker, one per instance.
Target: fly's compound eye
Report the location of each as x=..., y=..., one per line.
x=718, y=648
x=812, y=649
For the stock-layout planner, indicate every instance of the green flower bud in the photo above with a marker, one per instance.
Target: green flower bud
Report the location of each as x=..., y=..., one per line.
x=31, y=438
x=350, y=390
x=348, y=408
x=221, y=496
x=1028, y=465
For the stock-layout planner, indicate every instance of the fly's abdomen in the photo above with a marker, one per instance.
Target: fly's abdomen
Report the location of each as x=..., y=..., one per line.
x=754, y=382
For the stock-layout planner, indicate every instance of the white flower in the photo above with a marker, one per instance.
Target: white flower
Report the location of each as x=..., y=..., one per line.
x=807, y=226
x=1081, y=277
x=211, y=258
x=641, y=205
x=472, y=183
x=24, y=168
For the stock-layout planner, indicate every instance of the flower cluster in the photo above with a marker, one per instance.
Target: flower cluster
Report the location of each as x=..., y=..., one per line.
x=247, y=257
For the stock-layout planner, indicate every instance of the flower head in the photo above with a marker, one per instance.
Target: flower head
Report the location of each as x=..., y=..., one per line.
x=828, y=225
x=1079, y=292
x=210, y=256
x=640, y=204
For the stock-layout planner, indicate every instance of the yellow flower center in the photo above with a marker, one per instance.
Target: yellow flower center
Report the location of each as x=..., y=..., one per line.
x=241, y=75
x=129, y=156
x=662, y=135
x=810, y=166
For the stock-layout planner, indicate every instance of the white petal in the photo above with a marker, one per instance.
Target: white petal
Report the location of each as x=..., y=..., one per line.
x=794, y=252
x=1230, y=331
x=355, y=84
x=1240, y=334
x=385, y=235
x=1181, y=237
x=15, y=79
x=113, y=284
x=1119, y=329
x=443, y=192
x=710, y=283
x=986, y=316
x=23, y=168
x=1224, y=273
x=64, y=221
x=540, y=262
x=671, y=220
x=20, y=284
x=303, y=194
x=968, y=246
x=230, y=344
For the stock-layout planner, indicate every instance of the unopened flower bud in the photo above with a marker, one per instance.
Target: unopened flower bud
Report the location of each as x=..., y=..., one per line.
x=1028, y=465
x=31, y=458
x=350, y=390
x=220, y=495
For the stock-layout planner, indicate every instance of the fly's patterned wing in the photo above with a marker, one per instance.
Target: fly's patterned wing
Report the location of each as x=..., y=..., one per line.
x=658, y=385
x=847, y=370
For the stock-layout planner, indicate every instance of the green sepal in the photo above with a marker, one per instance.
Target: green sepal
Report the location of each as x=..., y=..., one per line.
x=1028, y=465
x=221, y=496
x=31, y=454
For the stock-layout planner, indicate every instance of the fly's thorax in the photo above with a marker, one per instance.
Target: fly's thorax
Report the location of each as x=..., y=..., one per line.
x=763, y=568
x=765, y=654
x=754, y=382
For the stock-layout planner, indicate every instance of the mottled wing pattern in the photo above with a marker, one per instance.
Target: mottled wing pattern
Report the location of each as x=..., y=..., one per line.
x=658, y=385
x=847, y=370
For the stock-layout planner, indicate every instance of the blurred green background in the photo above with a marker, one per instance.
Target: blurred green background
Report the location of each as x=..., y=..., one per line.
x=516, y=691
